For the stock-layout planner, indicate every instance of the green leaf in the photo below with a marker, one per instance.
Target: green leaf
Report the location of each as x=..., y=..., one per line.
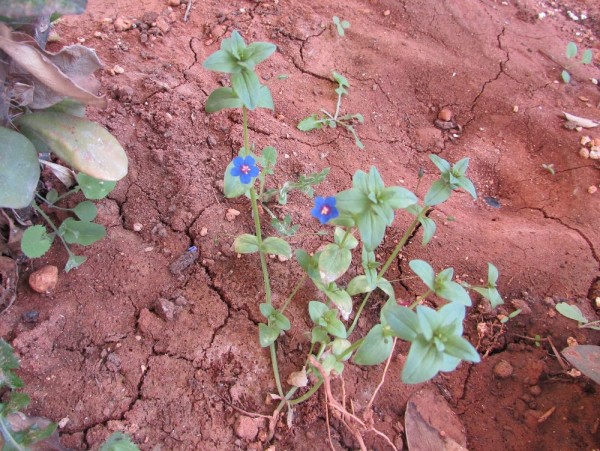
x=52, y=196
x=36, y=241
x=458, y=347
x=86, y=210
x=397, y=197
x=310, y=123
x=438, y=193
x=403, y=321
x=316, y=311
x=467, y=185
x=372, y=229
x=387, y=288
x=68, y=106
x=358, y=285
x=277, y=246
x=81, y=232
x=222, y=98
x=319, y=335
x=309, y=264
x=82, y=144
x=269, y=157
x=304, y=184
x=571, y=312
x=334, y=261
x=222, y=61
x=74, y=261
x=19, y=169
x=267, y=335
x=422, y=363
x=571, y=50
x=257, y=52
x=336, y=328
x=346, y=241
x=234, y=45
x=285, y=227
x=587, y=57
x=338, y=348
x=265, y=99
x=341, y=299
x=425, y=272
x=119, y=442
x=330, y=364
x=566, y=77
x=449, y=290
x=353, y=201
x=340, y=79
x=248, y=88
x=246, y=244
x=440, y=163
x=428, y=229
x=94, y=188
x=8, y=363
x=376, y=347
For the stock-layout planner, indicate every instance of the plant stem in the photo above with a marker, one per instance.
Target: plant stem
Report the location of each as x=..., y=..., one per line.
x=388, y=263
x=245, y=122
x=8, y=437
x=52, y=226
x=293, y=293
x=420, y=298
x=337, y=108
x=307, y=395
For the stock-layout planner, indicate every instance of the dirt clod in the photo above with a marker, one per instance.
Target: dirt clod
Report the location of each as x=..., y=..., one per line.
x=445, y=114
x=503, y=369
x=44, y=279
x=231, y=214
x=165, y=309
x=122, y=24
x=246, y=428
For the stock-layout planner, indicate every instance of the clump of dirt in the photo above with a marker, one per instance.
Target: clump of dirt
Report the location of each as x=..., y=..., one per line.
x=169, y=353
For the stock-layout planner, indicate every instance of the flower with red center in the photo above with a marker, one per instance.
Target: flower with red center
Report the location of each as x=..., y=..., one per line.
x=325, y=209
x=245, y=168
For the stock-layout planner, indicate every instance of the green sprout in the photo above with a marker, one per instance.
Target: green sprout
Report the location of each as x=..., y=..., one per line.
x=571, y=52
x=341, y=25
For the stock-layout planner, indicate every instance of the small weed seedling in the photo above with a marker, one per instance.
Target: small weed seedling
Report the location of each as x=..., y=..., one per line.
x=360, y=217
x=571, y=52
x=341, y=25
x=573, y=312
x=549, y=168
x=317, y=121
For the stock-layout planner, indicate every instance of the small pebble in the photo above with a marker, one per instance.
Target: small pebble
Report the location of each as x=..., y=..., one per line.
x=503, y=369
x=122, y=24
x=231, y=214
x=516, y=109
x=583, y=152
x=203, y=231
x=571, y=341
x=445, y=115
x=535, y=390
x=137, y=227
x=44, y=279
x=211, y=141
x=164, y=309
x=62, y=423
x=386, y=12
x=246, y=428
x=592, y=189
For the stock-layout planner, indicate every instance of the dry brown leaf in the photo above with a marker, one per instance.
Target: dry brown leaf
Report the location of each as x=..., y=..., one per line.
x=41, y=67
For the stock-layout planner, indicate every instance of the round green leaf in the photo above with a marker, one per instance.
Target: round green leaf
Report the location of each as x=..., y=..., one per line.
x=19, y=169
x=74, y=261
x=81, y=232
x=334, y=262
x=94, y=188
x=277, y=246
x=267, y=334
x=376, y=348
x=86, y=210
x=246, y=244
x=36, y=241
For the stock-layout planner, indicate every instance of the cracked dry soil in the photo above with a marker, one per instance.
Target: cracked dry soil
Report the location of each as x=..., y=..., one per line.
x=101, y=356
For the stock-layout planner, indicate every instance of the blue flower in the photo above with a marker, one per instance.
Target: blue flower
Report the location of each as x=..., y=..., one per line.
x=245, y=169
x=324, y=209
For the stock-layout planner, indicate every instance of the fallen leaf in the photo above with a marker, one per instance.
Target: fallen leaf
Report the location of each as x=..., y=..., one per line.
x=580, y=121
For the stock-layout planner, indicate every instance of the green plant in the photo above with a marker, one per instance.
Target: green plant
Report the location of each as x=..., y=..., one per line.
x=318, y=121
x=573, y=312
x=360, y=217
x=41, y=120
x=549, y=168
x=571, y=52
x=118, y=442
x=16, y=438
x=341, y=26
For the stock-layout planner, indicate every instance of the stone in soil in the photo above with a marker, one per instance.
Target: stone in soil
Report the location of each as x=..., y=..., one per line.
x=44, y=279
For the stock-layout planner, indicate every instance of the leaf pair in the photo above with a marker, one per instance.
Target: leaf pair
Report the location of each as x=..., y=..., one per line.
x=441, y=284
x=452, y=178
x=277, y=322
x=248, y=244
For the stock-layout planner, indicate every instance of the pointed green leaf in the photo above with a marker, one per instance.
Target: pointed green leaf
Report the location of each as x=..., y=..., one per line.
x=422, y=363
x=310, y=123
x=222, y=61
x=316, y=311
x=74, y=261
x=119, y=442
x=358, y=285
x=440, y=163
x=438, y=193
x=277, y=246
x=460, y=348
x=19, y=169
x=452, y=291
x=372, y=229
x=246, y=244
x=309, y=264
x=334, y=261
x=491, y=294
x=81, y=232
x=248, y=88
x=468, y=186
x=222, y=98
x=428, y=229
x=397, y=197
x=425, y=272
x=265, y=99
x=376, y=348
x=571, y=312
x=257, y=52
x=343, y=240
x=403, y=321
x=340, y=79
x=566, y=77
x=342, y=301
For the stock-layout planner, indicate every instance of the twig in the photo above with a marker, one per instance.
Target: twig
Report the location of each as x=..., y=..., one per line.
x=546, y=415
x=187, y=11
x=244, y=412
x=387, y=365
x=328, y=426
x=558, y=357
